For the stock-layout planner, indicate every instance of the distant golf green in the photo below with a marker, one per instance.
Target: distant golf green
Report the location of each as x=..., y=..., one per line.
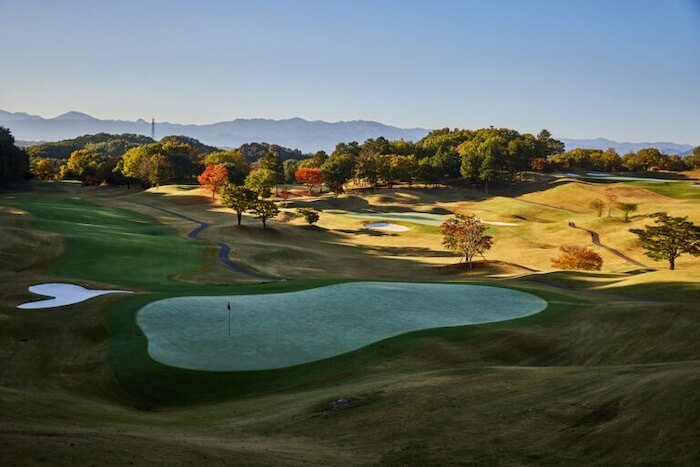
x=111, y=245
x=281, y=330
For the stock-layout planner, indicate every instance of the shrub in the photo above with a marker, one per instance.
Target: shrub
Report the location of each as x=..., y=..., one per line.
x=309, y=215
x=577, y=257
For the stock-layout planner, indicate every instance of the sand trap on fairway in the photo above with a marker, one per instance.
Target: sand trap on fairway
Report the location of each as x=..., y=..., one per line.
x=64, y=294
x=424, y=218
x=386, y=227
x=286, y=329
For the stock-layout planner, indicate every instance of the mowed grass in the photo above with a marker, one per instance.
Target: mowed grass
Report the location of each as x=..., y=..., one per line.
x=111, y=245
x=601, y=377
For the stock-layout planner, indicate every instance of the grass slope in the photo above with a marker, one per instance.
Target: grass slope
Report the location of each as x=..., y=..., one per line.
x=604, y=376
x=111, y=245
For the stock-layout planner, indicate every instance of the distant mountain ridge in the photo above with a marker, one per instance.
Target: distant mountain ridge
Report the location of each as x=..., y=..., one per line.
x=308, y=136
x=297, y=133
x=625, y=147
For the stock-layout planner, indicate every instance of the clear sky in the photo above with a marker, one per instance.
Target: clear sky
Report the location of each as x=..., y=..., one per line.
x=622, y=69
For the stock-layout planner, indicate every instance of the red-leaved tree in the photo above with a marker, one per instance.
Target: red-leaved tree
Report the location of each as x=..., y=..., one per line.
x=309, y=176
x=213, y=179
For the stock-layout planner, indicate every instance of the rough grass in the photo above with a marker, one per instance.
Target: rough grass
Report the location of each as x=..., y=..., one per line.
x=611, y=378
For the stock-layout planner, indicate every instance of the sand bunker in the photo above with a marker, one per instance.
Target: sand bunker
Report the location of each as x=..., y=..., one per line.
x=285, y=329
x=64, y=294
x=423, y=218
x=386, y=227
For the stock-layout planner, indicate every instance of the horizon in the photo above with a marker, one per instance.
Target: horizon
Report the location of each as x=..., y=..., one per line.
x=147, y=120
x=583, y=70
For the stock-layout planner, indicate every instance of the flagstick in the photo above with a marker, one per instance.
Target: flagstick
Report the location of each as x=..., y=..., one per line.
x=229, y=322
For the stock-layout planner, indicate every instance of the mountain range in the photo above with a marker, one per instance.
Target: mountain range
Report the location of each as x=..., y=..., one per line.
x=306, y=135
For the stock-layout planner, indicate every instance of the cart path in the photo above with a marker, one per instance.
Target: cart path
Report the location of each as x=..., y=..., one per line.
x=224, y=248
x=595, y=238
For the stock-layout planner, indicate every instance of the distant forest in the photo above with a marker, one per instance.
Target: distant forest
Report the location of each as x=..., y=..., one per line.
x=484, y=156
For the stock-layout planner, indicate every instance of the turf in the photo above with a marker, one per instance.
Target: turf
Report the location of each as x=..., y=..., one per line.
x=155, y=383
x=606, y=375
x=282, y=330
x=112, y=245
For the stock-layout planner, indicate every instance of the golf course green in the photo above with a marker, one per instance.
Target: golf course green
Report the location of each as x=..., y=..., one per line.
x=269, y=331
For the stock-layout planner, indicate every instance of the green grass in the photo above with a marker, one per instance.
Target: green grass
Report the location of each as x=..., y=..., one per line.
x=158, y=384
x=112, y=245
x=678, y=190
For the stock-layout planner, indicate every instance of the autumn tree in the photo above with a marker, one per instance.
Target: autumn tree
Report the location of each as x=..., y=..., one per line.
x=236, y=165
x=466, y=234
x=264, y=209
x=84, y=163
x=598, y=206
x=611, y=199
x=44, y=168
x=310, y=215
x=627, y=209
x=577, y=257
x=309, y=176
x=669, y=238
x=213, y=179
x=238, y=198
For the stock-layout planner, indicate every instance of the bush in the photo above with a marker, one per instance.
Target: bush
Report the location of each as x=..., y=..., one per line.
x=309, y=215
x=577, y=257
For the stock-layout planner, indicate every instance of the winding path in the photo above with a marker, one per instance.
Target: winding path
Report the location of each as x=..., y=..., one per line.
x=224, y=248
x=595, y=238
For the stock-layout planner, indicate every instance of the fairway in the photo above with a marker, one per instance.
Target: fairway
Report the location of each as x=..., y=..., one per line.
x=112, y=245
x=281, y=330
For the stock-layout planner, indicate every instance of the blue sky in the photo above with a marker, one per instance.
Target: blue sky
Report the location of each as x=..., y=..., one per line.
x=624, y=69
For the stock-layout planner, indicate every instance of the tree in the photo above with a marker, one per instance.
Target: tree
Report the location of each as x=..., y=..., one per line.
x=238, y=198
x=14, y=162
x=310, y=215
x=290, y=167
x=84, y=163
x=611, y=199
x=261, y=181
x=627, y=209
x=670, y=238
x=160, y=170
x=309, y=176
x=598, y=206
x=337, y=170
x=644, y=159
x=577, y=257
x=236, y=165
x=213, y=179
x=548, y=146
x=466, y=234
x=264, y=209
x=44, y=168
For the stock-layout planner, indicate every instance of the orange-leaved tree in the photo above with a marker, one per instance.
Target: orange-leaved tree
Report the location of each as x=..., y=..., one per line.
x=466, y=234
x=577, y=257
x=213, y=179
x=309, y=176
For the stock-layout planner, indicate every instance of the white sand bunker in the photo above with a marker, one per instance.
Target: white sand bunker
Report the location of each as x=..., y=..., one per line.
x=386, y=227
x=63, y=294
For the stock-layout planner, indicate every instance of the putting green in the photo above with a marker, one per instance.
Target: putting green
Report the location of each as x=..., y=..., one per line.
x=286, y=329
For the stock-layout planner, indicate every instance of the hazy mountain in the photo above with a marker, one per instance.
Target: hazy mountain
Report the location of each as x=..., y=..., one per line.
x=298, y=133
x=623, y=148
x=305, y=135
